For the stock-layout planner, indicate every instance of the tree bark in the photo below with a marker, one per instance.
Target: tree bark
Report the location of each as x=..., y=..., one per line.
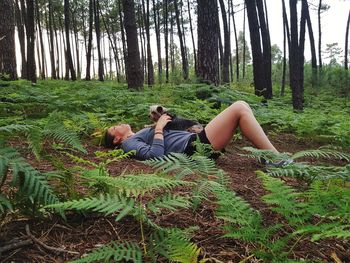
x=192, y=37
x=208, y=57
x=181, y=39
x=236, y=40
x=21, y=37
x=31, y=67
x=52, y=47
x=319, y=34
x=150, y=75
x=346, y=43
x=69, y=53
x=8, y=64
x=157, y=29
x=227, y=46
x=294, y=58
x=42, y=49
x=98, y=40
x=89, y=46
x=166, y=35
x=135, y=74
x=125, y=53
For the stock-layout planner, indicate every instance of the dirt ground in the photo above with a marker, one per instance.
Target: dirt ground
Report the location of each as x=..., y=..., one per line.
x=58, y=240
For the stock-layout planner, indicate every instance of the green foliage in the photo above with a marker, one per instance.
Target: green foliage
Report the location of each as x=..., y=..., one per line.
x=32, y=186
x=114, y=251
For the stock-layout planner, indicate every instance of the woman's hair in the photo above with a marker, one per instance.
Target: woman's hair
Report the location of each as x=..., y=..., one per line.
x=108, y=140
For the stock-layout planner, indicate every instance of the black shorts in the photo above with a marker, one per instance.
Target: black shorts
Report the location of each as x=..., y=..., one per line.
x=190, y=148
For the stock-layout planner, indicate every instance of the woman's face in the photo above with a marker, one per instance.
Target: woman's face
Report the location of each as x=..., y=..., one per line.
x=119, y=132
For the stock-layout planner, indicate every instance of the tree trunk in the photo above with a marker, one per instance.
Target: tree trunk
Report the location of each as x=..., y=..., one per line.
x=244, y=42
x=208, y=58
x=294, y=57
x=89, y=46
x=150, y=76
x=42, y=49
x=31, y=67
x=227, y=46
x=76, y=38
x=157, y=29
x=236, y=40
x=135, y=75
x=312, y=45
x=52, y=48
x=182, y=46
x=98, y=40
x=285, y=33
x=192, y=37
x=257, y=54
x=125, y=53
x=21, y=37
x=304, y=7
x=166, y=29
x=8, y=64
x=69, y=53
x=346, y=43
x=319, y=34
x=266, y=47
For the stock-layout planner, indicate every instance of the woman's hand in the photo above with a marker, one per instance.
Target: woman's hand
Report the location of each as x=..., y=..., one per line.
x=163, y=120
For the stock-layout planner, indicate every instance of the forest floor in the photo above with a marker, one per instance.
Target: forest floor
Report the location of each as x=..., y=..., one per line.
x=80, y=234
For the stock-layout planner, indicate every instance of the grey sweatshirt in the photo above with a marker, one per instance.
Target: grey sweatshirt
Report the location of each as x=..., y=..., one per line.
x=147, y=147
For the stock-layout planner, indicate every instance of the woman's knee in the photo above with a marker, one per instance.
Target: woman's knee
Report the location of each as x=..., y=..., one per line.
x=241, y=105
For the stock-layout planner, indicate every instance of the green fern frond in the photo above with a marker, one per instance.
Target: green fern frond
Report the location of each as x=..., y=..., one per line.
x=105, y=204
x=15, y=128
x=80, y=160
x=311, y=172
x=35, y=139
x=285, y=199
x=326, y=230
x=175, y=246
x=183, y=165
x=59, y=132
x=264, y=155
x=5, y=204
x=322, y=153
x=114, y=251
x=168, y=201
x=232, y=208
x=139, y=184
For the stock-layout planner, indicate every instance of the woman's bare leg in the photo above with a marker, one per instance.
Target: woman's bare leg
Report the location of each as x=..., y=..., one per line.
x=221, y=129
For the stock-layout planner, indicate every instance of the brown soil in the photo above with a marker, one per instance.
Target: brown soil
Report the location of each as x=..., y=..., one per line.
x=80, y=234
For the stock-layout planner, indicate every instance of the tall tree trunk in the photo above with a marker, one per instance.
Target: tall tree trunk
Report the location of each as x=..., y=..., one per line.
x=346, y=43
x=150, y=76
x=304, y=7
x=8, y=64
x=294, y=58
x=208, y=58
x=319, y=35
x=89, y=46
x=285, y=38
x=21, y=37
x=31, y=67
x=227, y=46
x=52, y=48
x=312, y=44
x=76, y=38
x=166, y=35
x=236, y=40
x=42, y=49
x=67, y=27
x=142, y=40
x=182, y=46
x=121, y=24
x=192, y=37
x=244, y=42
x=266, y=47
x=255, y=41
x=157, y=29
x=172, y=45
x=135, y=75
x=98, y=40
x=58, y=49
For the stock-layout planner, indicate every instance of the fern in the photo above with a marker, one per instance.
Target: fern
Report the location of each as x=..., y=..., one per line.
x=167, y=201
x=311, y=172
x=138, y=184
x=326, y=230
x=176, y=246
x=28, y=180
x=105, y=204
x=183, y=165
x=322, y=153
x=114, y=251
x=5, y=204
x=264, y=155
x=35, y=139
x=285, y=200
x=15, y=128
